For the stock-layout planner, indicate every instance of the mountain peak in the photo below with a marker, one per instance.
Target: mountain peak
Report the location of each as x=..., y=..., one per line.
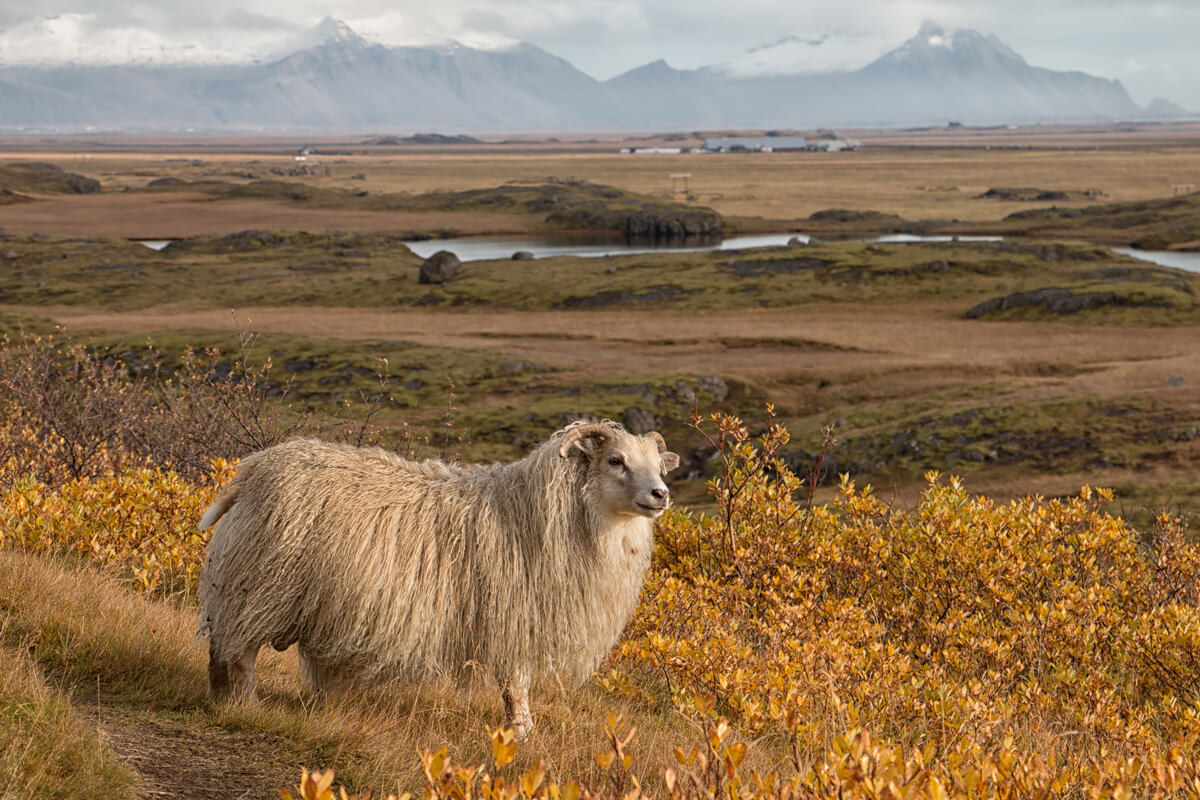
x=1162, y=108
x=328, y=31
x=331, y=29
x=962, y=49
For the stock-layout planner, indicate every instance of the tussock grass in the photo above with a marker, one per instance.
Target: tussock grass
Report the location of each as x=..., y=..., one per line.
x=47, y=750
x=85, y=629
x=141, y=656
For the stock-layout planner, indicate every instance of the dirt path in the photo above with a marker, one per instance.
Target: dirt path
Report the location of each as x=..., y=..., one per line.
x=753, y=343
x=192, y=761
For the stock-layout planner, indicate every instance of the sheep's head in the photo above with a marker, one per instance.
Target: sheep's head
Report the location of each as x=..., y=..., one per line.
x=625, y=471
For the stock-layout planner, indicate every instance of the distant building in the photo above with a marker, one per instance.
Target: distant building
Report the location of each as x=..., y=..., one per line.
x=652, y=151
x=754, y=144
x=834, y=145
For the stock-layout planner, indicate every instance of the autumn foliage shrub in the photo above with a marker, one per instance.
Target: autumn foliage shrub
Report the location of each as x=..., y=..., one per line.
x=1041, y=634
x=961, y=648
x=140, y=522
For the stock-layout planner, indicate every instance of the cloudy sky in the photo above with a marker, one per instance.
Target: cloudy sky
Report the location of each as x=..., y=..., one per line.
x=1150, y=45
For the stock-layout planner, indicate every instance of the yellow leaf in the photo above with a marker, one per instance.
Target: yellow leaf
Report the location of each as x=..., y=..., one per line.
x=531, y=780
x=735, y=753
x=504, y=745
x=324, y=780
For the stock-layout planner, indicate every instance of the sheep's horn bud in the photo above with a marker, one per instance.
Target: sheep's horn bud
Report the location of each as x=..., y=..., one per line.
x=580, y=432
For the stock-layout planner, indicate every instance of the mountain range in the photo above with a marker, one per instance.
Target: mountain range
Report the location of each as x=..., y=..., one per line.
x=337, y=81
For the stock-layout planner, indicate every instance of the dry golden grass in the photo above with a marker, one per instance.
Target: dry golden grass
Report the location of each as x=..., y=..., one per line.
x=141, y=667
x=914, y=174
x=175, y=215
x=47, y=750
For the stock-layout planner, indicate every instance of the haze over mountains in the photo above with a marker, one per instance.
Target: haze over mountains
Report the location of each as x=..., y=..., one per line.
x=336, y=80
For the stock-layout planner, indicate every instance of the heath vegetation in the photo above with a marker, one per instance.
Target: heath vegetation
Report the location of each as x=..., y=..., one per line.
x=831, y=611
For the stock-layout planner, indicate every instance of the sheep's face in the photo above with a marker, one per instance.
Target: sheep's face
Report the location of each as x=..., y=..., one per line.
x=625, y=472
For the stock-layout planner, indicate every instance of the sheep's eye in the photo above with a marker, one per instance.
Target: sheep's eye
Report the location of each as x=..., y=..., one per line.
x=616, y=461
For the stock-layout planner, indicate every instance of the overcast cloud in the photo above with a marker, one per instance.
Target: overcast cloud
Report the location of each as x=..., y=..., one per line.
x=1150, y=45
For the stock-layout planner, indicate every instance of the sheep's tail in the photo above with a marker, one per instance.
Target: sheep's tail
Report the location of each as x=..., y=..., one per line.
x=217, y=510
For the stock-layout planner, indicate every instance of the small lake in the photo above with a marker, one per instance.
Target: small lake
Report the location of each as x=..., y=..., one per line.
x=474, y=248
x=1168, y=258
x=480, y=248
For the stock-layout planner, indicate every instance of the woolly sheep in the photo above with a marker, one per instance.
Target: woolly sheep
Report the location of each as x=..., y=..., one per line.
x=378, y=566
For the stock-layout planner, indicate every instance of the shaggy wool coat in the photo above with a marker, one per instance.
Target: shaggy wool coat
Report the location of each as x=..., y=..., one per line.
x=378, y=566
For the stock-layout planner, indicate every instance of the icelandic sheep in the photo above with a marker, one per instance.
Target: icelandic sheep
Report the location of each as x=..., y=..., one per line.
x=377, y=566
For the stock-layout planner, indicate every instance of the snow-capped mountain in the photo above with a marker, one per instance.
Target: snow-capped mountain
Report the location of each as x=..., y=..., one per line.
x=329, y=77
x=969, y=76
x=963, y=51
x=338, y=81
x=327, y=31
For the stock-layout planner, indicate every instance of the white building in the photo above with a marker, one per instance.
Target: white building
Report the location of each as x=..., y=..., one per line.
x=754, y=144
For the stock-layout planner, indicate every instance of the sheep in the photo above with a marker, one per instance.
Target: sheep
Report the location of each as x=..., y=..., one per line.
x=377, y=566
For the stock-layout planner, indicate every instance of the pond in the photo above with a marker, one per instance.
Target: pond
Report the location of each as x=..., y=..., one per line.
x=1167, y=258
x=480, y=248
x=473, y=248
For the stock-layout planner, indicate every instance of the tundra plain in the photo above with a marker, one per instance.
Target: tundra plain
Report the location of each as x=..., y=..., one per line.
x=868, y=338
x=1030, y=366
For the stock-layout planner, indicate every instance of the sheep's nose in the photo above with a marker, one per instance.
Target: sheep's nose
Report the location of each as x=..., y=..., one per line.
x=661, y=493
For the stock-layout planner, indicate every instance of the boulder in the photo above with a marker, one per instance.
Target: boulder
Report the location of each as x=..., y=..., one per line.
x=440, y=267
x=522, y=255
x=639, y=420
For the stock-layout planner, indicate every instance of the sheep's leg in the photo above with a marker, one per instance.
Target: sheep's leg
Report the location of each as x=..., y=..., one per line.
x=241, y=673
x=218, y=674
x=516, y=705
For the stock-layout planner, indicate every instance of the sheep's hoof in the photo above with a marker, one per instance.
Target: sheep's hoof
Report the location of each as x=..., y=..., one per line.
x=520, y=728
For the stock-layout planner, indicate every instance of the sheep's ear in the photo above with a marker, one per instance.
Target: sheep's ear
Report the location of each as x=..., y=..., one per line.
x=669, y=461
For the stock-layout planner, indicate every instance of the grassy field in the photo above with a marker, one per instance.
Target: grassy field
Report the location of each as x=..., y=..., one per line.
x=889, y=341
x=895, y=344
x=913, y=174
x=1032, y=366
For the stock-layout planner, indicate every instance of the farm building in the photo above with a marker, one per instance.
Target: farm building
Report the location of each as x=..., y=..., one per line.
x=776, y=144
x=753, y=144
x=834, y=145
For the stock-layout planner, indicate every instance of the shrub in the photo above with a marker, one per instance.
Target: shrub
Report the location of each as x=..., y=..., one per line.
x=70, y=412
x=964, y=629
x=962, y=648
